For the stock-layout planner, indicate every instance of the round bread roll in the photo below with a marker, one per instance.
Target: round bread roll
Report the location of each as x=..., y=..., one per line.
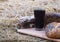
x=53, y=30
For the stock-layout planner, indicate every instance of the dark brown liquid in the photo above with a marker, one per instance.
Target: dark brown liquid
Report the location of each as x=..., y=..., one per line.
x=39, y=18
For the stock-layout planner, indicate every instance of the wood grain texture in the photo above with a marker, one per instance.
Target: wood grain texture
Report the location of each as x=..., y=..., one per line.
x=33, y=32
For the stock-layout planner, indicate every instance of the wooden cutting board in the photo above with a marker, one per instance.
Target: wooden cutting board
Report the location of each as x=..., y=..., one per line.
x=33, y=32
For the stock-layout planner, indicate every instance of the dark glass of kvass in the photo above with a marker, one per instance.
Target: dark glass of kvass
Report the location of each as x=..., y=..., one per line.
x=39, y=15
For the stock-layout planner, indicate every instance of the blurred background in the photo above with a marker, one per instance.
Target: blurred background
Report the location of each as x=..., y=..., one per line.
x=12, y=10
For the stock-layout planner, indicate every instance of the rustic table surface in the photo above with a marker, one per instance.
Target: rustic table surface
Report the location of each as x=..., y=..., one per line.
x=33, y=32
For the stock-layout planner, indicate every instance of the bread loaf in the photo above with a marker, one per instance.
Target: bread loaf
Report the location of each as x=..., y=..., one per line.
x=53, y=30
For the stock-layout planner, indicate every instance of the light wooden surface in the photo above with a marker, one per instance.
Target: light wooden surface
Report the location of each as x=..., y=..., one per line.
x=33, y=32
